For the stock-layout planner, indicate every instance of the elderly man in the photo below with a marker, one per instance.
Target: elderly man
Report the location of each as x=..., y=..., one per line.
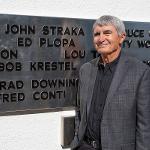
x=113, y=111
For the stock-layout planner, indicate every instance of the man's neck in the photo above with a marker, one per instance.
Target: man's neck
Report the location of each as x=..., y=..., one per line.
x=108, y=58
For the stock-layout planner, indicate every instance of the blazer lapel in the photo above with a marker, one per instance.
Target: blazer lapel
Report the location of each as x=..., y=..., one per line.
x=91, y=83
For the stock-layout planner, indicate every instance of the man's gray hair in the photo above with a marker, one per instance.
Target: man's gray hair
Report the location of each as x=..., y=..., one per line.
x=110, y=20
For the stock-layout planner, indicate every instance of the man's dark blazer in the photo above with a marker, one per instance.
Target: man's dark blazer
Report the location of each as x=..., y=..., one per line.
x=125, y=121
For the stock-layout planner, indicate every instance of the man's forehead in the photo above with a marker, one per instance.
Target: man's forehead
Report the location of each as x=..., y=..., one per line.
x=105, y=27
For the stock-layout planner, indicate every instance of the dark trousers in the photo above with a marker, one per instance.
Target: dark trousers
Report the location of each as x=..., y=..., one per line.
x=85, y=146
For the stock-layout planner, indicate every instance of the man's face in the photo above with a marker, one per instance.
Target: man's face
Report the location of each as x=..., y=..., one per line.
x=106, y=39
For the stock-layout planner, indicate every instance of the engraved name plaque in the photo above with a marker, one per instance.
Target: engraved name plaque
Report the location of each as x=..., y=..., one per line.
x=40, y=58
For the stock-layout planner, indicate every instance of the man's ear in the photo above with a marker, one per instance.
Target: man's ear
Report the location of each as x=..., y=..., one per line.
x=122, y=37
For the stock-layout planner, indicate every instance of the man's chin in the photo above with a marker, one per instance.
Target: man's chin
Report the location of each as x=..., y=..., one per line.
x=104, y=52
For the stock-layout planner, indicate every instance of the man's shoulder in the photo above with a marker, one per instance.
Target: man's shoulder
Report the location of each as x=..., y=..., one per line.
x=90, y=63
x=135, y=62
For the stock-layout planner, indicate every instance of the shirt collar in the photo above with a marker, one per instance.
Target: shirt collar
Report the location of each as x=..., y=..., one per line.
x=108, y=65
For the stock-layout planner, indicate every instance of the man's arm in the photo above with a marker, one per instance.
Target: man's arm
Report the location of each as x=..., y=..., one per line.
x=143, y=113
x=77, y=116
